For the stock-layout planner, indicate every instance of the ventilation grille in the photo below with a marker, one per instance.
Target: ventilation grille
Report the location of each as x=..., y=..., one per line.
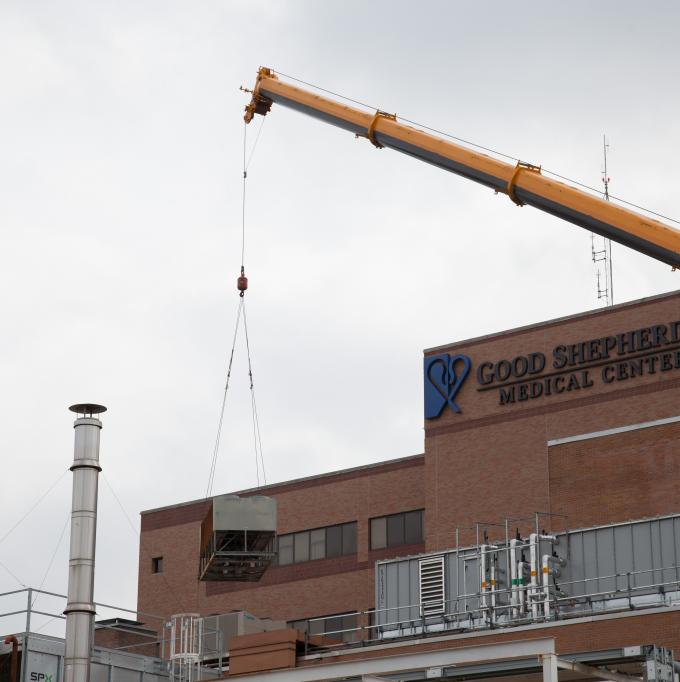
x=432, y=591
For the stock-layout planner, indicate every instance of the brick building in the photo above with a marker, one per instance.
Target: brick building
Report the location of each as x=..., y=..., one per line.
x=576, y=418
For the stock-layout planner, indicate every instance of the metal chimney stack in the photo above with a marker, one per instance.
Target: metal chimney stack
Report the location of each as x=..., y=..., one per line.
x=80, y=609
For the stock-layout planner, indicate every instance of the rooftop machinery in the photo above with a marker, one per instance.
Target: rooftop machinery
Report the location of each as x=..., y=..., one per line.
x=539, y=578
x=523, y=183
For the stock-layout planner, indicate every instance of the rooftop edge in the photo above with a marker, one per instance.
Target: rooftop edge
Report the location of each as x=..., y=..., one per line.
x=555, y=321
x=271, y=486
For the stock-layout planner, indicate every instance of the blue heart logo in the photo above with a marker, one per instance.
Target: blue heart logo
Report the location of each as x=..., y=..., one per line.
x=444, y=377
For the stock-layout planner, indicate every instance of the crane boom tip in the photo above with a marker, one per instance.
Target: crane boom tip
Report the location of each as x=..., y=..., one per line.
x=258, y=103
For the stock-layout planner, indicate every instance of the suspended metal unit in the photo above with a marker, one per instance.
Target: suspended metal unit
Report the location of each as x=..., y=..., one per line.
x=238, y=538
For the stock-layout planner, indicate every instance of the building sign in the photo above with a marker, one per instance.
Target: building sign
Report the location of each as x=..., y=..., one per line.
x=444, y=376
x=569, y=367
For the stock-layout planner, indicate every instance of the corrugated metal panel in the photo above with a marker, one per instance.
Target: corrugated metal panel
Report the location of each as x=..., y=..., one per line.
x=599, y=562
x=406, y=596
x=231, y=512
x=623, y=540
x=644, y=552
x=668, y=550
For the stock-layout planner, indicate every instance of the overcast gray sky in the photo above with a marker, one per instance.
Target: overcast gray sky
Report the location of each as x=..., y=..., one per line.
x=120, y=186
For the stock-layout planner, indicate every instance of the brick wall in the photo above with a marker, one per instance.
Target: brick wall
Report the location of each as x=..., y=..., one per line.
x=617, y=478
x=485, y=464
x=492, y=461
x=305, y=590
x=134, y=643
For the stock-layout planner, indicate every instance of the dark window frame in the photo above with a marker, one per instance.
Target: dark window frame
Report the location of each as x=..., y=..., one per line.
x=157, y=564
x=317, y=544
x=377, y=533
x=400, y=534
x=420, y=533
x=347, y=542
x=289, y=537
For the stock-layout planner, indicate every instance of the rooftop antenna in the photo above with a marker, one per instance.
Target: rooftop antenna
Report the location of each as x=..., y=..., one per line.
x=604, y=255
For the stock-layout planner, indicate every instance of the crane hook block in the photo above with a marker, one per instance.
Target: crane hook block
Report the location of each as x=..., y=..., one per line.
x=242, y=283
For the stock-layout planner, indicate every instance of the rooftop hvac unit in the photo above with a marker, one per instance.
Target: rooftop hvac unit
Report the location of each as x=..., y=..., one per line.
x=539, y=578
x=237, y=538
x=219, y=629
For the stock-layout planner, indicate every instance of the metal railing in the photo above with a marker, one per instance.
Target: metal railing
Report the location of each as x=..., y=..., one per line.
x=21, y=619
x=463, y=612
x=24, y=617
x=386, y=623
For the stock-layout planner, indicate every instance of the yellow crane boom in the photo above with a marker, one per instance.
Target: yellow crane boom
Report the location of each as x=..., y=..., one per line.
x=523, y=182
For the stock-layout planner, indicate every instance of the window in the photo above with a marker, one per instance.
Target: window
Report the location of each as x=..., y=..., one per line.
x=405, y=528
x=395, y=530
x=379, y=533
x=317, y=539
x=333, y=541
x=413, y=527
x=285, y=549
x=301, y=546
x=349, y=538
x=157, y=564
x=321, y=543
x=341, y=627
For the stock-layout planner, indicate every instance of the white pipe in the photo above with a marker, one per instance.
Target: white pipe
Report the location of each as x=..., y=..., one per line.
x=535, y=590
x=482, y=577
x=545, y=567
x=545, y=563
x=493, y=588
x=80, y=608
x=486, y=567
x=521, y=586
x=514, y=584
x=533, y=566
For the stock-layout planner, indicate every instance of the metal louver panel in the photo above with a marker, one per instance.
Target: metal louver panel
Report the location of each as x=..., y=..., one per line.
x=432, y=589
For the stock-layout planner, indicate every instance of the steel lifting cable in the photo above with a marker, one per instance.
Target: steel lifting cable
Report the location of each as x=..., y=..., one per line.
x=246, y=164
x=213, y=464
x=243, y=202
x=257, y=438
x=242, y=286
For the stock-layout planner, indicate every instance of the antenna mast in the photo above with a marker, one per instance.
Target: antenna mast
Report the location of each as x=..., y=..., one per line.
x=605, y=254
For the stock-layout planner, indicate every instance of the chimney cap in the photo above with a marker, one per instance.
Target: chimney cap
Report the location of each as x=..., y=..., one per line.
x=87, y=409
